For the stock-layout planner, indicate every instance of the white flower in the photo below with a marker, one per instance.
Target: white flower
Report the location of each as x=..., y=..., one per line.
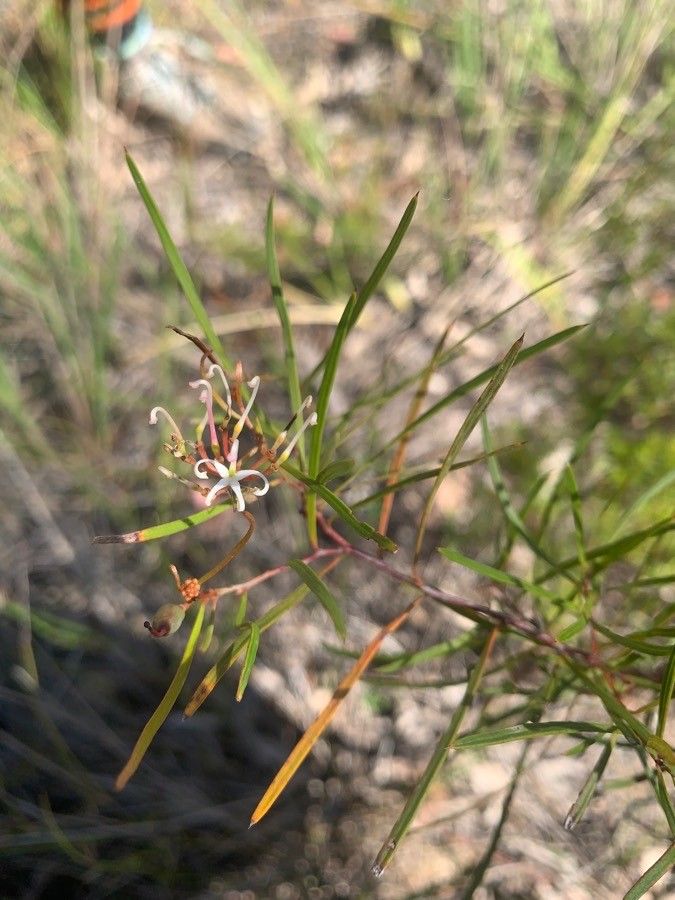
x=231, y=478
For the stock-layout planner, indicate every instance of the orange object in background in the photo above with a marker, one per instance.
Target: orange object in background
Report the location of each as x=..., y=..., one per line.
x=124, y=18
x=104, y=15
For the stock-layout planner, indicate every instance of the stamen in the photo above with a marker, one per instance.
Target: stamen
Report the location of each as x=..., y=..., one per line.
x=228, y=396
x=175, y=429
x=207, y=397
x=312, y=420
x=253, y=384
x=279, y=441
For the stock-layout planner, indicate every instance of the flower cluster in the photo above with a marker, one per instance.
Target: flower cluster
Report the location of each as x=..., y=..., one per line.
x=221, y=458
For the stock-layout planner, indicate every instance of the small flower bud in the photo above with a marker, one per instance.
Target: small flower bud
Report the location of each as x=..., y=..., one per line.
x=166, y=620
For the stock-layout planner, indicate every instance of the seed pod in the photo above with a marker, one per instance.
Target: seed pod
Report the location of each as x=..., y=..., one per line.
x=166, y=620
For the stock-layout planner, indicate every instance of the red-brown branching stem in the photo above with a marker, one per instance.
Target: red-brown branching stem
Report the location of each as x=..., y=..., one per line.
x=474, y=611
x=243, y=586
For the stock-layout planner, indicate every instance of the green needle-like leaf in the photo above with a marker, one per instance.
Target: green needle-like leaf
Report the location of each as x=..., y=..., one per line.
x=180, y=270
x=369, y=288
x=476, y=411
x=666, y=693
x=323, y=595
x=249, y=659
x=316, y=437
x=587, y=792
x=443, y=747
x=166, y=529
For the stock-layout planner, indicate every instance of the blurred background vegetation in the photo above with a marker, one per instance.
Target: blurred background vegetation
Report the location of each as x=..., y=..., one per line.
x=540, y=136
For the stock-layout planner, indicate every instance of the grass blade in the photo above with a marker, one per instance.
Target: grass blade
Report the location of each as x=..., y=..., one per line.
x=323, y=595
x=252, y=645
x=443, y=747
x=167, y=528
x=319, y=725
x=274, y=276
x=166, y=704
x=476, y=411
x=180, y=270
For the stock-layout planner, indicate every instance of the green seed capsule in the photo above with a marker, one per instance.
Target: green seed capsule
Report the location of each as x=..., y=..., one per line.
x=166, y=620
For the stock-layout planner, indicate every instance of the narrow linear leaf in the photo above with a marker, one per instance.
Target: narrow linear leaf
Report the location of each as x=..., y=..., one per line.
x=180, y=270
x=379, y=398
x=240, y=614
x=663, y=797
x=436, y=651
x=318, y=726
x=654, y=873
x=632, y=643
x=528, y=732
x=587, y=792
x=350, y=317
x=167, y=528
x=343, y=511
x=470, y=422
x=166, y=704
x=252, y=645
x=496, y=574
x=443, y=747
x=385, y=664
x=666, y=693
x=369, y=288
x=323, y=595
x=274, y=275
x=325, y=389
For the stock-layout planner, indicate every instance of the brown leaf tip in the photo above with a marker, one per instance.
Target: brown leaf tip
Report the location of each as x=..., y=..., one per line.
x=133, y=537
